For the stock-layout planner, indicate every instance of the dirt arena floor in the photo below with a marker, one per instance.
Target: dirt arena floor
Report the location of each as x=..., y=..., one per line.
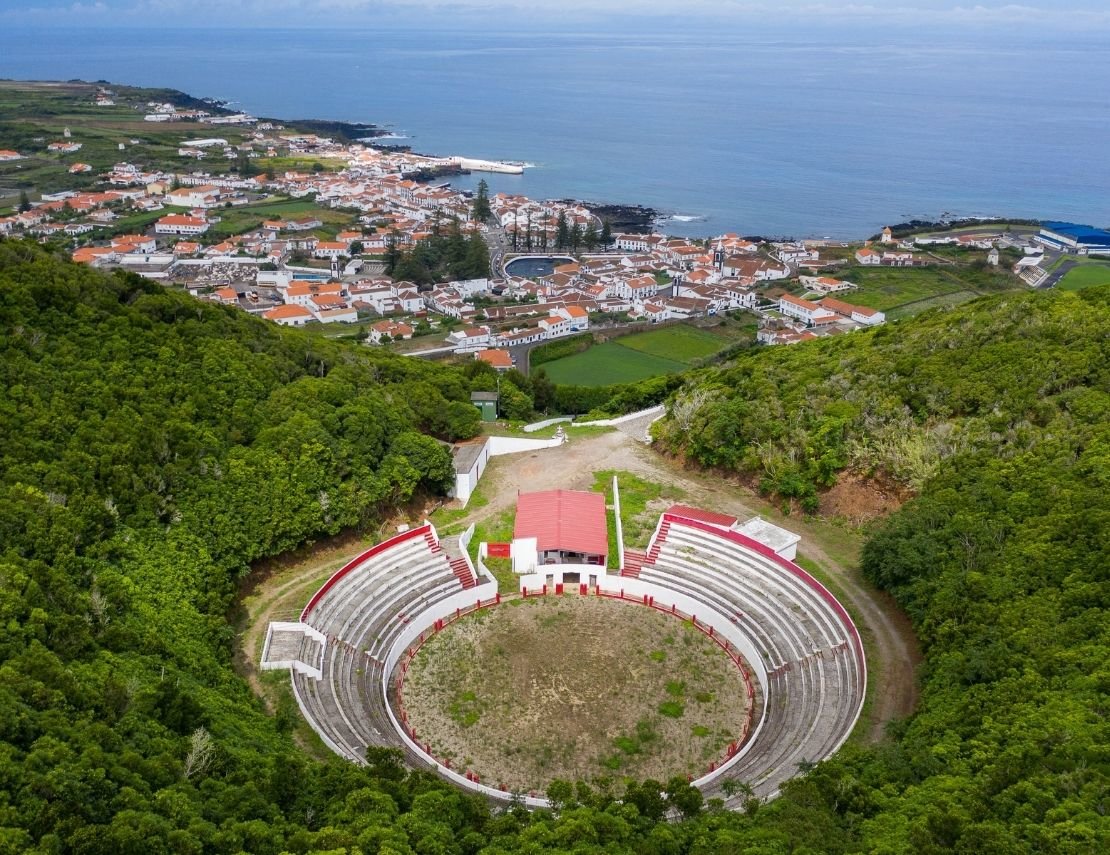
x=574, y=688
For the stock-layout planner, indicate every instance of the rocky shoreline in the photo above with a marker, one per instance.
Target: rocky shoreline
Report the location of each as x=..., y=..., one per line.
x=344, y=132
x=634, y=219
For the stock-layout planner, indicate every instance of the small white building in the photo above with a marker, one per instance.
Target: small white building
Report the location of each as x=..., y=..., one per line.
x=784, y=543
x=470, y=459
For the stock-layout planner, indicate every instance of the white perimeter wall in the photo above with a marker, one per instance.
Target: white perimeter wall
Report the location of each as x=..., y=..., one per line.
x=499, y=445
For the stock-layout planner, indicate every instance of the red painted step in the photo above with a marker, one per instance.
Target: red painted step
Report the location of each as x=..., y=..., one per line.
x=462, y=572
x=634, y=560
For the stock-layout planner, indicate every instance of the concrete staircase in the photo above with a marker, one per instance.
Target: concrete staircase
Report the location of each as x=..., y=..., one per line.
x=459, y=566
x=660, y=539
x=633, y=562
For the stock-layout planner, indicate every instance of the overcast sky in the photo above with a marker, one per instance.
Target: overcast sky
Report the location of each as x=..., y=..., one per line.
x=1030, y=16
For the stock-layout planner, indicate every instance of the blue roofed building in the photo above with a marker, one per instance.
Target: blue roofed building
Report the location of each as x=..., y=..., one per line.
x=1072, y=237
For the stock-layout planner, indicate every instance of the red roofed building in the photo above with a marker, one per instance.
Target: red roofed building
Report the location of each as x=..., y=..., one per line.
x=180, y=224
x=568, y=525
x=499, y=359
x=289, y=315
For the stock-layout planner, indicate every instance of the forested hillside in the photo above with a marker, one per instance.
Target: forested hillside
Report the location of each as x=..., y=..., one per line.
x=154, y=446
x=998, y=414
x=995, y=375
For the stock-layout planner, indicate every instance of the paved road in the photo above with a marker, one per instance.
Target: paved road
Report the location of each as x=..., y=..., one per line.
x=1056, y=275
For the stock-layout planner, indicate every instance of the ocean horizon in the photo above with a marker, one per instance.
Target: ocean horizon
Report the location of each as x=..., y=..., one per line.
x=785, y=136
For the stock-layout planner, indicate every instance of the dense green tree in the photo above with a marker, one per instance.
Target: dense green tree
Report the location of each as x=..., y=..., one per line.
x=606, y=236
x=480, y=210
x=562, y=231
x=156, y=446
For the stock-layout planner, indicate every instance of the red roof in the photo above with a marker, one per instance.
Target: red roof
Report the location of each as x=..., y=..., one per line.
x=698, y=514
x=566, y=520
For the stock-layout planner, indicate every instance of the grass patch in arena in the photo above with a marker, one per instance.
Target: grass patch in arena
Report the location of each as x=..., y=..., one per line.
x=641, y=502
x=528, y=695
x=496, y=529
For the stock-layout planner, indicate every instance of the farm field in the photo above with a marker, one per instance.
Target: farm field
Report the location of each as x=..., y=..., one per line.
x=902, y=292
x=952, y=298
x=1085, y=276
x=608, y=363
x=246, y=217
x=680, y=343
x=638, y=356
x=536, y=689
x=887, y=287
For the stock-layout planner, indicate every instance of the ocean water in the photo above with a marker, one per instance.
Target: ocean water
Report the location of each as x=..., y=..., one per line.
x=794, y=135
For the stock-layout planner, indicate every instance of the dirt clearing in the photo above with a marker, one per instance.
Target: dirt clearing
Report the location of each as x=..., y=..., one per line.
x=575, y=688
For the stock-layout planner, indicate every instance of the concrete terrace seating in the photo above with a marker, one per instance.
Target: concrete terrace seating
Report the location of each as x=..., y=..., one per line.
x=363, y=610
x=816, y=676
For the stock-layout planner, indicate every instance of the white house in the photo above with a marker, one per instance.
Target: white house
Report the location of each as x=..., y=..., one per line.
x=395, y=330
x=180, y=224
x=898, y=259
x=632, y=243
x=555, y=325
x=330, y=249
x=204, y=196
x=795, y=254
x=289, y=315
x=805, y=310
x=868, y=257
x=470, y=339
x=825, y=284
x=860, y=314
x=577, y=318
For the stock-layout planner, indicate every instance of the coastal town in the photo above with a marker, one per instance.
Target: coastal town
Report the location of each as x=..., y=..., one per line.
x=314, y=239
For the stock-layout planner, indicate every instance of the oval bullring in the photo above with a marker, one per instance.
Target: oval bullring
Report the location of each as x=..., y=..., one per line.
x=356, y=639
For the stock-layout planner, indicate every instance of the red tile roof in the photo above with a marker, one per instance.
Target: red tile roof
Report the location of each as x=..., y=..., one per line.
x=698, y=514
x=496, y=358
x=567, y=520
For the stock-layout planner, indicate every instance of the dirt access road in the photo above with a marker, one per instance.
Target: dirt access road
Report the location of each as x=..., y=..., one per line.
x=891, y=647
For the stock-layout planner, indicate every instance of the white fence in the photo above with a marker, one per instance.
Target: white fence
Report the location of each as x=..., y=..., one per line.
x=499, y=445
x=657, y=411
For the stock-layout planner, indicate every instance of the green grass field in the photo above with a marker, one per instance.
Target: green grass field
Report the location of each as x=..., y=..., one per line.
x=884, y=288
x=609, y=363
x=953, y=298
x=1085, y=276
x=247, y=217
x=679, y=343
x=642, y=355
x=903, y=292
